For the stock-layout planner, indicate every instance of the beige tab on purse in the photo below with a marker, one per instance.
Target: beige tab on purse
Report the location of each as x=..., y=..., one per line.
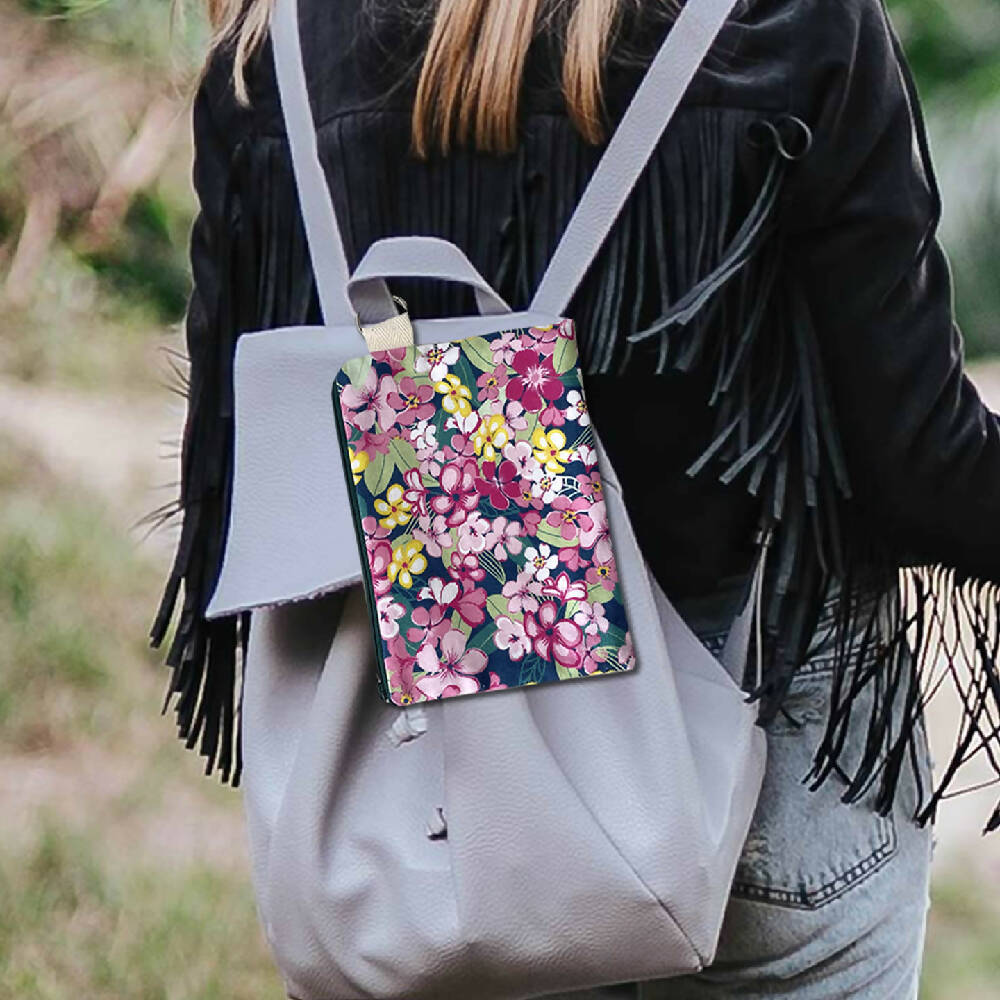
x=396, y=331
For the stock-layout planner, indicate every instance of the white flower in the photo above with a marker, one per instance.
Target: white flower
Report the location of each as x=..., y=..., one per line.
x=510, y=636
x=436, y=359
x=587, y=455
x=520, y=453
x=540, y=562
x=388, y=613
x=545, y=487
x=577, y=409
x=464, y=425
x=423, y=436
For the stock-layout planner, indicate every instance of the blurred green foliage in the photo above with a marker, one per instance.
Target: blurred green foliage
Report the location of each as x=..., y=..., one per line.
x=952, y=45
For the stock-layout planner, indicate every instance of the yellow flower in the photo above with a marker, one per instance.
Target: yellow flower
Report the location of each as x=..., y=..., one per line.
x=407, y=562
x=550, y=449
x=359, y=463
x=394, y=509
x=456, y=396
x=490, y=437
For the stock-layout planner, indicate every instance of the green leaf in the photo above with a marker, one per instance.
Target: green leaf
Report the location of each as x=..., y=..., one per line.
x=378, y=475
x=492, y=565
x=403, y=454
x=496, y=605
x=532, y=670
x=477, y=350
x=357, y=370
x=565, y=355
x=483, y=639
x=597, y=594
x=458, y=622
x=566, y=673
x=552, y=536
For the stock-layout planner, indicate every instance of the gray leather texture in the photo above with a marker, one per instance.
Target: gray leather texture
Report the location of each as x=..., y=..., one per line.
x=414, y=257
x=590, y=830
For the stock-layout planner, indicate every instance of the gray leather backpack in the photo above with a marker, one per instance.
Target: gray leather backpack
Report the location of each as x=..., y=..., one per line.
x=543, y=839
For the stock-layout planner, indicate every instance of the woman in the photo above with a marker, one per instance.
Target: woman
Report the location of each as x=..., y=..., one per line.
x=769, y=353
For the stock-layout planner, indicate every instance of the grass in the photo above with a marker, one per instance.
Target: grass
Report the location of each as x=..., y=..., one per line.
x=74, y=923
x=73, y=602
x=963, y=949
x=122, y=871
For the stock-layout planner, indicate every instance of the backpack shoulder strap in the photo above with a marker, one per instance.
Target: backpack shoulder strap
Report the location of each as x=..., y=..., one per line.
x=326, y=248
x=624, y=159
x=648, y=114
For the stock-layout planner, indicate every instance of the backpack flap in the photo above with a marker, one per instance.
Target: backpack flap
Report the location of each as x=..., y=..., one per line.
x=290, y=534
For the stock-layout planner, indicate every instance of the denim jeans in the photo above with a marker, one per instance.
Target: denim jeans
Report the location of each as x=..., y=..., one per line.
x=830, y=899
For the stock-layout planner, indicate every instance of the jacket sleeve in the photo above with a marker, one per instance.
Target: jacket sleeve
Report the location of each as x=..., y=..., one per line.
x=860, y=212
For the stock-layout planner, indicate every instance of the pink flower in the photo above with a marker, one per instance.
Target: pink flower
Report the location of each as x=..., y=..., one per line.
x=490, y=383
x=591, y=618
x=596, y=535
x=519, y=593
x=434, y=532
x=531, y=519
x=569, y=556
x=552, y=637
x=471, y=604
x=543, y=338
x=514, y=415
x=465, y=567
x=505, y=345
x=603, y=574
x=416, y=493
x=589, y=484
x=495, y=684
x=552, y=416
x=394, y=358
x=372, y=442
x=571, y=517
x=499, y=484
x=510, y=636
x=362, y=407
x=372, y=529
x=447, y=596
x=399, y=668
x=379, y=557
x=472, y=533
x=564, y=589
x=462, y=443
x=389, y=613
x=458, y=492
x=523, y=457
x=413, y=401
x=536, y=381
x=454, y=667
x=504, y=538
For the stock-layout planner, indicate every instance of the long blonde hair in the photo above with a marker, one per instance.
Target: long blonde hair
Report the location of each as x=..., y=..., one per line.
x=470, y=80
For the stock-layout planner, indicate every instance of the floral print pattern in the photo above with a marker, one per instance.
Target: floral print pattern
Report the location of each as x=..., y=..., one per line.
x=482, y=515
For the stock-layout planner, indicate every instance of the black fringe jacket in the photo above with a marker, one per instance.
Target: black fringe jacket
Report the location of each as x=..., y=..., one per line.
x=768, y=337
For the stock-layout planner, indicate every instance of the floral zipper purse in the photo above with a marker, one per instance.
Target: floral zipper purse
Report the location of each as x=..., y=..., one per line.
x=479, y=514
